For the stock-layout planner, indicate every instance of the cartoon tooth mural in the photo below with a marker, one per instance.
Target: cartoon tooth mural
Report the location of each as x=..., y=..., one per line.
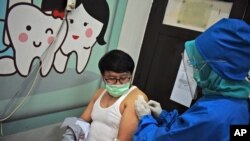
x=10, y=4
x=30, y=33
x=32, y=37
x=8, y=66
x=86, y=26
x=39, y=44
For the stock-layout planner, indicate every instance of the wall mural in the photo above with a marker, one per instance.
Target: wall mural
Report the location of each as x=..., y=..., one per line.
x=32, y=32
x=44, y=52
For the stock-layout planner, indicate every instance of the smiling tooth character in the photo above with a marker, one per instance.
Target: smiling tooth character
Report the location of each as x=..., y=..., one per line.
x=31, y=33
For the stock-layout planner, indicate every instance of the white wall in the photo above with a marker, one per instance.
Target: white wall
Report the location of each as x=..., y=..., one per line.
x=133, y=27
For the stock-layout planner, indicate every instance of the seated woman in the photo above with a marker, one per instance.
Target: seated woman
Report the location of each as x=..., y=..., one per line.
x=111, y=111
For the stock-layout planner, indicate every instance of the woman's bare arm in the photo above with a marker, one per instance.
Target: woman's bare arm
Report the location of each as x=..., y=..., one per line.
x=129, y=120
x=86, y=115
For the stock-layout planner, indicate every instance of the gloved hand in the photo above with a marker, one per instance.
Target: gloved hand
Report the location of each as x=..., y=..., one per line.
x=141, y=107
x=155, y=107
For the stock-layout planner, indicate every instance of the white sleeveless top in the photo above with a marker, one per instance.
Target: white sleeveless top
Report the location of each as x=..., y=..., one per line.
x=105, y=121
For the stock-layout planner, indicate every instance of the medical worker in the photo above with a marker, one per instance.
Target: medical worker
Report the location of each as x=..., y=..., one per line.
x=220, y=59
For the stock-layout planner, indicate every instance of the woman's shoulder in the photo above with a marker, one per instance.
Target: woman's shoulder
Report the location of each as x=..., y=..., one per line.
x=130, y=99
x=135, y=93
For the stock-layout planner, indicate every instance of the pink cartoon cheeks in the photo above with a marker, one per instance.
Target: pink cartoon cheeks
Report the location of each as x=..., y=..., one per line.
x=50, y=40
x=89, y=32
x=23, y=37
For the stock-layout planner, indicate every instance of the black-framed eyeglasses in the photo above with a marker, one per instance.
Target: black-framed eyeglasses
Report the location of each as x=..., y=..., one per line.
x=113, y=80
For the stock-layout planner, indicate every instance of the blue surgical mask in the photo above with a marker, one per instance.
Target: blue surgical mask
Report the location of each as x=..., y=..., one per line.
x=117, y=90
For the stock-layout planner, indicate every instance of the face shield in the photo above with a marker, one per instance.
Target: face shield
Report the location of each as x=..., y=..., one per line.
x=189, y=70
x=196, y=68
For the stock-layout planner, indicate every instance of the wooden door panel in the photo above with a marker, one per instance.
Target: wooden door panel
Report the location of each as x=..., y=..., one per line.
x=165, y=64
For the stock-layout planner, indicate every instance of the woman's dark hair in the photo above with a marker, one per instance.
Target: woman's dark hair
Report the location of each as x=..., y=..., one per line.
x=99, y=9
x=117, y=61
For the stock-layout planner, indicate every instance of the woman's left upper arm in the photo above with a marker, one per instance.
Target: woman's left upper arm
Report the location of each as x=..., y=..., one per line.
x=129, y=120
